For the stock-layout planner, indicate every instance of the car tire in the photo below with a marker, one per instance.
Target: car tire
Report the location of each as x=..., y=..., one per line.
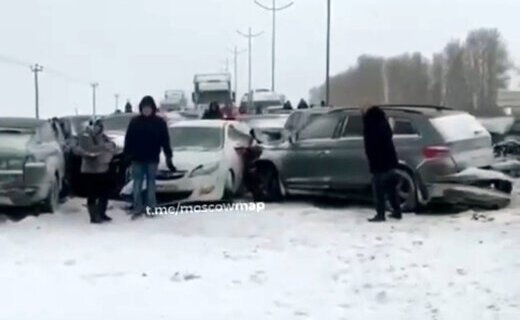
x=52, y=202
x=270, y=189
x=407, y=190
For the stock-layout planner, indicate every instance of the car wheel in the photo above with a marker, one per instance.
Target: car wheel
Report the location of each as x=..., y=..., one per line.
x=229, y=186
x=406, y=190
x=51, y=203
x=269, y=188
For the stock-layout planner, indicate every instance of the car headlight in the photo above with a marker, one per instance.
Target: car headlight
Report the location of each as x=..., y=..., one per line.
x=204, y=170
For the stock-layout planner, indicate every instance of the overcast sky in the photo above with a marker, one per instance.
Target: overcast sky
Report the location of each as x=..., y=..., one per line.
x=137, y=47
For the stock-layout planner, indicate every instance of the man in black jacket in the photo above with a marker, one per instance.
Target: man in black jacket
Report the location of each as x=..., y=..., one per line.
x=146, y=135
x=383, y=161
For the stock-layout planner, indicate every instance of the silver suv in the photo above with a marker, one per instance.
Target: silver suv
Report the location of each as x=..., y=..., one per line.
x=327, y=155
x=32, y=164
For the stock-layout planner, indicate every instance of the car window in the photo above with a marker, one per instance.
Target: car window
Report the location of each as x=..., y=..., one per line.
x=196, y=138
x=353, y=126
x=402, y=127
x=321, y=128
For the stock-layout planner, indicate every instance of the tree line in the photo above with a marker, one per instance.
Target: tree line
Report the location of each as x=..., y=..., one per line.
x=466, y=75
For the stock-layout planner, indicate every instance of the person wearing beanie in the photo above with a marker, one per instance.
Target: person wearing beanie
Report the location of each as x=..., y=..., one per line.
x=146, y=136
x=96, y=151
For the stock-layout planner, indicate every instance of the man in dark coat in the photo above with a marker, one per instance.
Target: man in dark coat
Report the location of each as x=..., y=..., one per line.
x=213, y=112
x=146, y=135
x=383, y=161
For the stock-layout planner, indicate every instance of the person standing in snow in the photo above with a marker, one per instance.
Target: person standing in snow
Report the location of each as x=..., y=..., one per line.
x=146, y=135
x=213, y=111
x=303, y=104
x=96, y=151
x=382, y=160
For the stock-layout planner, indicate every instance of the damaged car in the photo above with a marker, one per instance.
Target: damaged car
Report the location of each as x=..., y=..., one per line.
x=32, y=164
x=435, y=146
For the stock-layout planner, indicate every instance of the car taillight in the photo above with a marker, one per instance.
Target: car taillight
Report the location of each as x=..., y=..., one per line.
x=436, y=152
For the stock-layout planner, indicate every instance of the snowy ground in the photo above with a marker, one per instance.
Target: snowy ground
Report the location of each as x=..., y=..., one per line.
x=294, y=261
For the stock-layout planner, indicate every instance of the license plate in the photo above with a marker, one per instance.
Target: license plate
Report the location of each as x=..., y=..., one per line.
x=167, y=188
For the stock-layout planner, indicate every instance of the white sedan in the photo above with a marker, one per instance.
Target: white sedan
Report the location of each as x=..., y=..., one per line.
x=206, y=154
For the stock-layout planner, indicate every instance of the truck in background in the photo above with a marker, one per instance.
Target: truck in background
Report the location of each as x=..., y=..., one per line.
x=262, y=100
x=174, y=100
x=212, y=87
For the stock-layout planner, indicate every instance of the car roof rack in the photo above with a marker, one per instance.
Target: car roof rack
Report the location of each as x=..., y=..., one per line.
x=417, y=106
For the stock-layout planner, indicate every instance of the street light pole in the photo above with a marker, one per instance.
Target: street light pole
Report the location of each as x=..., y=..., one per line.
x=327, y=82
x=94, y=87
x=273, y=9
x=36, y=69
x=235, y=67
x=250, y=37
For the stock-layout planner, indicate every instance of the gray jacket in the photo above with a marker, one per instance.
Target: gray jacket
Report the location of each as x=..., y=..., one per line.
x=96, y=152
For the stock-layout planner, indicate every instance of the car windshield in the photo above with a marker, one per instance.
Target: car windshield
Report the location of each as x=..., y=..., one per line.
x=458, y=127
x=209, y=96
x=271, y=122
x=14, y=140
x=206, y=138
x=119, y=123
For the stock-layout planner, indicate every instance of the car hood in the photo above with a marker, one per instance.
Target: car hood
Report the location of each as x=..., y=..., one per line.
x=187, y=160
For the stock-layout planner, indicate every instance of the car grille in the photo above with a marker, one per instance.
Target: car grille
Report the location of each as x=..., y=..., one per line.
x=163, y=175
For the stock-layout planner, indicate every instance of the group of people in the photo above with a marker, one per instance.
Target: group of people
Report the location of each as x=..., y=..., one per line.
x=147, y=135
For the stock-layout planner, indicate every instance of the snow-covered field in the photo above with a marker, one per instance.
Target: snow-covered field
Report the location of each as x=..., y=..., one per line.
x=293, y=261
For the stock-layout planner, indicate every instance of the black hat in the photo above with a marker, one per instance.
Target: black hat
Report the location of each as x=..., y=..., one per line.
x=148, y=101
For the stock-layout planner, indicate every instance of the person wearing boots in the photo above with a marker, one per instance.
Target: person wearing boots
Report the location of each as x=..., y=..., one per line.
x=382, y=160
x=96, y=151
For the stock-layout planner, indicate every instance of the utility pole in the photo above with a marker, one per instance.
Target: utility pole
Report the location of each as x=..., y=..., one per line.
x=250, y=37
x=117, y=100
x=36, y=69
x=327, y=82
x=235, y=65
x=274, y=10
x=94, y=87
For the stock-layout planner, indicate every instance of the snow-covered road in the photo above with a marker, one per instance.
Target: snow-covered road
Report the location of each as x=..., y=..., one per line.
x=293, y=261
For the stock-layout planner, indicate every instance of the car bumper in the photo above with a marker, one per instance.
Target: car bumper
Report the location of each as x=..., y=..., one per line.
x=203, y=188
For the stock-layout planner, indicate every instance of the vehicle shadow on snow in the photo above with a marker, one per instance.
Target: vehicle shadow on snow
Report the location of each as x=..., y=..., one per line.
x=17, y=214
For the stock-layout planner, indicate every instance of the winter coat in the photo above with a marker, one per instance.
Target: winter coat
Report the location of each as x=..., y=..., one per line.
x=100, y=145
x=212, y=115
x=379, y=146
x=303, y=105
x=145, y=137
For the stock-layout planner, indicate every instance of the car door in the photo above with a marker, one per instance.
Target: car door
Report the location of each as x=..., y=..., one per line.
x=303, y=166
x=347, y=161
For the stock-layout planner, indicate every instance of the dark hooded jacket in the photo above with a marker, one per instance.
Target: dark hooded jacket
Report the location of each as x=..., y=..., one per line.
x=379, y=146
x=146, y=136
x=213, y=112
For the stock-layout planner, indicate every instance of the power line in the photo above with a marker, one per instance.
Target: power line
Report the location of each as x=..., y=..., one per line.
x=14, y=61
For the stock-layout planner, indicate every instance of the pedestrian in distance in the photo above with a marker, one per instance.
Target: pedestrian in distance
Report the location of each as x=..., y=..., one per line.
x=382, y=160
x=96, y=151
x=303, y=104
x=213, y=112
x=323, y=104
x=146, y=135
x=287, y=105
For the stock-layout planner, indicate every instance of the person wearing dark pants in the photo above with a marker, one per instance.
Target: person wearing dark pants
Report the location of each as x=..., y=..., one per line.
x=96, y=151
x=146, y=135
x=383, y=161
